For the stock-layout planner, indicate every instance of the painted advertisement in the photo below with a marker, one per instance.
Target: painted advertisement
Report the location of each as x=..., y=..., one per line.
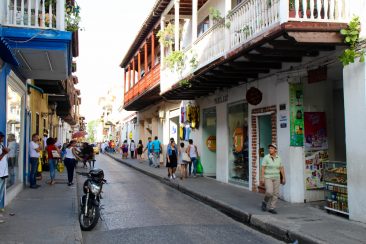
x=314, y=163
x=296, y=115
x=315, y=131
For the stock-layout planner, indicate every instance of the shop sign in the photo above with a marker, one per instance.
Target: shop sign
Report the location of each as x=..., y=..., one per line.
x=211, y=143
x=254, y=96
x=315, y=131
x=221, y=99
x=317, y=75
x=238, y=140
x=314, y=164
x=296, y=115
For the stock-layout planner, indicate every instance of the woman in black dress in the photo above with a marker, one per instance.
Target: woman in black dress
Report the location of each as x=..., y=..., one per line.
x=140, y=148
x=172, y=158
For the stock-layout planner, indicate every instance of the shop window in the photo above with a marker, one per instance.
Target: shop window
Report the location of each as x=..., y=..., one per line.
x=13, y=131
x=203, y=26
x=238, y=141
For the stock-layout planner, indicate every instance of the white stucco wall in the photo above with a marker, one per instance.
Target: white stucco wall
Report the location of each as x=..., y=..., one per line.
x=354, y=82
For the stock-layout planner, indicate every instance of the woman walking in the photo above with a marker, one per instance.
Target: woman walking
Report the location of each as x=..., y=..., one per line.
x=70, y=161
x=124, y=148
x=193, y=154
x=172, y=157
x=53, y=155
x=272, y=170
x=183, y=161
x=140, y=148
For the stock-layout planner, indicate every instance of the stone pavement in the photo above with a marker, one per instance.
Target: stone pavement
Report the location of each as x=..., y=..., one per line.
x=48, y=214
x=295, y=222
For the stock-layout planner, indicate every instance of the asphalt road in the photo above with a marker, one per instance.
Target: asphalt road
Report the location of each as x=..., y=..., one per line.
x=139, y=209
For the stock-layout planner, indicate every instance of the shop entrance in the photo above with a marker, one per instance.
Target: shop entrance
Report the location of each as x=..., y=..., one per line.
x=173, y=128
x=265, y=137
x=209, y=142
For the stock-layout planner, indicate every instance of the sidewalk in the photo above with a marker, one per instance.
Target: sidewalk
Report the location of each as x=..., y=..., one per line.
x=44, y=215
x=300, y=222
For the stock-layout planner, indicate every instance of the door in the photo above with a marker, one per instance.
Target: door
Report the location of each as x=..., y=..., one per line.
x=265, y=137
x=209, y=142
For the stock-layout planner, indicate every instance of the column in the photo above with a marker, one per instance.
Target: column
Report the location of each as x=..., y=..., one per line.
x=133, y=71
x=60, y=14
x=176, y=25
x=162, y=27
x=153, y=50
x=194, y=19
x=145, y=48
x=139, y=65
x=227, y=31
x=129, y=77
x=125, y=81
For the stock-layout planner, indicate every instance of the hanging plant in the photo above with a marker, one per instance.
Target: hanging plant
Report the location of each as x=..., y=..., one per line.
x=72, y=17
x=175, y=61
x=351, y=38
x=217, y=18
x=185, y=83
x=166, y=36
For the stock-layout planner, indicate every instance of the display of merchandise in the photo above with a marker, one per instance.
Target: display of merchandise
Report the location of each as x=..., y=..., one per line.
x=336, y=192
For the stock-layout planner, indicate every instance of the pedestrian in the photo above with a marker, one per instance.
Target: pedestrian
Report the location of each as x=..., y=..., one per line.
x=124, y=148
x=272, y=170
x=70, y=161
x=150, y=154
x=34, y=153
x=3, y=172
x=183, y=160
x=53, y=155
x=172, y=158
x=157, y=149
x=140, y=147
x=132, y=149
x=193, y=155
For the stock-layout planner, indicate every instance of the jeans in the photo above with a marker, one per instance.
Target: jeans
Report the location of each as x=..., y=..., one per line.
x=150, y=160
x=194, y=162
x=272, y=192
x=33, y=171
x=156, y=159
x=70, y=166
x=52, y=163
x=2, y=192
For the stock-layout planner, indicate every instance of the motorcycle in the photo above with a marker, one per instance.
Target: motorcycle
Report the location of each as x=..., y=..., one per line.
x=90, y=202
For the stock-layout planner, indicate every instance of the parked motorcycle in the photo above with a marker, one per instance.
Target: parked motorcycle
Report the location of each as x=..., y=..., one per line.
x=90, y=202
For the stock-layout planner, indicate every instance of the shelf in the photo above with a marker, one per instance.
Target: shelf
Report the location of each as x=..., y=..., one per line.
x=344, y=193
x=335, y=173
x=335, y=184
x=336, y=210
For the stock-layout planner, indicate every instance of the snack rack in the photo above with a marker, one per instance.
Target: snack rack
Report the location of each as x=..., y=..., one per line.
x=336, y=192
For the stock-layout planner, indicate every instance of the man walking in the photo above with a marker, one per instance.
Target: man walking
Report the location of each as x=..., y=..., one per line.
x=3, y=172
x=272, y=170
x=148, y=147
x=157, y=149
x=34, y=149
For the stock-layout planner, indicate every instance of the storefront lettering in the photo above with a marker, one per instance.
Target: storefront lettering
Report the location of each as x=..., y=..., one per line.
x=221, y=99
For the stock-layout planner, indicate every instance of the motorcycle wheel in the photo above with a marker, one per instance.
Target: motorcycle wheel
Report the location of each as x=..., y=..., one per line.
x=89, y=222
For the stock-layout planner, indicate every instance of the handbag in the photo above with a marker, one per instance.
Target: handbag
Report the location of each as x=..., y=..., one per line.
x=186, y=158
x=55, y=154
x=199, y=166
x=60, y=167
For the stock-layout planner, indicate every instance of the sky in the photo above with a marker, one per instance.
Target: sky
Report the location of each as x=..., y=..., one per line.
x=109, y=28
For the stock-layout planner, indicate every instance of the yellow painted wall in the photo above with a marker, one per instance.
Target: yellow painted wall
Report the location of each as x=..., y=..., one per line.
x=38, y=104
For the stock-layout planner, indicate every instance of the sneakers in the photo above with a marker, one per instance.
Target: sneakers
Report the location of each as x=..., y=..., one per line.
x=174, y=176
x=70, y=184
x=264, y=206
x=170, y=177
x=272, y=211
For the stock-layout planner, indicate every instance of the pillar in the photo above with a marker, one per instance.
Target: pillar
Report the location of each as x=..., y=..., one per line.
x=176, y=25
x=194, y=20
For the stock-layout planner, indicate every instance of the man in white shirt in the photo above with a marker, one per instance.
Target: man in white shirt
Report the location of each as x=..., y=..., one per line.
x=3, y=172
x=34, y=149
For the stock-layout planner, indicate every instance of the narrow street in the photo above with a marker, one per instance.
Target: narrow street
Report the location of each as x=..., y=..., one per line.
x=139, y=209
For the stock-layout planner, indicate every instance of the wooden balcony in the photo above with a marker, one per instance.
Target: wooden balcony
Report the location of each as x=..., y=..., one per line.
x=144, y=92
x=255, y=38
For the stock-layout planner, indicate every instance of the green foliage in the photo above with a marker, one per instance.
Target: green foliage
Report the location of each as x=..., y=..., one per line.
x=185, y=83
x=215, y=14
x=194, y=61
x=92, y=126
x=175, y=61
x=72, y=17
x=166, y=36
x=351, y=38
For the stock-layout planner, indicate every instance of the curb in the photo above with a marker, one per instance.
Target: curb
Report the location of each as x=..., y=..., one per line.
x=78, y=235
x=246, y=218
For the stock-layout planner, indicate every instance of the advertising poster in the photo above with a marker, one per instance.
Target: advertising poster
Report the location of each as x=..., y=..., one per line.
x=296, y=115
x=314, y=168
x=315, y=131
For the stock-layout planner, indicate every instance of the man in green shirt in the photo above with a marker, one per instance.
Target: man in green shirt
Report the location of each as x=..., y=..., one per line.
x=272, y=170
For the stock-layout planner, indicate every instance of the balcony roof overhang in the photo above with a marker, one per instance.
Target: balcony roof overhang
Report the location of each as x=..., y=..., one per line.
x=286, y=43
x=40, y=54
x=51, y=86
x=152, y=20
x=144, y=100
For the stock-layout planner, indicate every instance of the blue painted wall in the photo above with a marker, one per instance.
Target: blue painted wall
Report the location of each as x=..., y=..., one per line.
x=3, y=87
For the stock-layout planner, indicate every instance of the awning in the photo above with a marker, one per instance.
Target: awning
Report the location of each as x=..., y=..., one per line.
x=6, y=53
